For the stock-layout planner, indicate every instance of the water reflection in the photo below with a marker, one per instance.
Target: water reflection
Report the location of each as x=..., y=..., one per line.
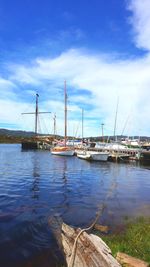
x=36, y=177
x=112, y=197
x=61, y=183
x=64, y=174
x=35, y=185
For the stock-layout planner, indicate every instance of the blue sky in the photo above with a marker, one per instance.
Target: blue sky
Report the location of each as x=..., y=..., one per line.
x=101, y=48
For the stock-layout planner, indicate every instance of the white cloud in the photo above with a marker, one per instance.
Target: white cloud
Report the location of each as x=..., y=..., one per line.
x=140, y=21
x=10, y=112
x=94, y=81
x=7, y=89
x=24, y=75
x=105, y=78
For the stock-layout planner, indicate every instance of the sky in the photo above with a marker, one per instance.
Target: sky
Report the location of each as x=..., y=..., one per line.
x=100, y=47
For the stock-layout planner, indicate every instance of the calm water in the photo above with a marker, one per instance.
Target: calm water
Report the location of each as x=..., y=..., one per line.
x=34, y=185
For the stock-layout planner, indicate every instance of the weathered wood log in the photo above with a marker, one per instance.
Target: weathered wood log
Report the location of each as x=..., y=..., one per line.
x=90, y=250
x=129, y=261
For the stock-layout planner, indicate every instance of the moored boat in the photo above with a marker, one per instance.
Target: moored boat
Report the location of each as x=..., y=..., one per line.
x=93, y=155
x=84, y=156
x=100, y=156
x=62, y=151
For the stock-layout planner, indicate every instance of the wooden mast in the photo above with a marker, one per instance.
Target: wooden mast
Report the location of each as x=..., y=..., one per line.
x=65, y=96
x=115, y=138
x=54, y=125
x=82, y=123
x=102, y=125
x=36, y=114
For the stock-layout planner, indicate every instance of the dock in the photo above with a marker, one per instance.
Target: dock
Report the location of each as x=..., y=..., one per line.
x=118, y=154
x=31, y=145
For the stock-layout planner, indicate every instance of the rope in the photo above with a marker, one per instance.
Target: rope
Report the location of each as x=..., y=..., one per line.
x=73, y=253
x=76, y=132
x=45, y=129
x=72, y=257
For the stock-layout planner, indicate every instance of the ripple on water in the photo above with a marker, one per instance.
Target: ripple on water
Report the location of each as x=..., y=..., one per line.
x=35, y=185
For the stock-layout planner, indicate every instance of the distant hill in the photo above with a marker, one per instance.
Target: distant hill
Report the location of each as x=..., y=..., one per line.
x=16, y=133
x=25, y=134
x=16, y=137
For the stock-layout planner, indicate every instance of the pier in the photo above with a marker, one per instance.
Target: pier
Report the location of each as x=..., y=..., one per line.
x=119, y=154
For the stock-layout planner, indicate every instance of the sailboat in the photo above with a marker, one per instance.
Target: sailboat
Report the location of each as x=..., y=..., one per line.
x=91, y=155
x=64, y=150
x=36, y=142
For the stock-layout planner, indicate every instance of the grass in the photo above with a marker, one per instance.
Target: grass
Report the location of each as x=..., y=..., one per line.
x=134, y=240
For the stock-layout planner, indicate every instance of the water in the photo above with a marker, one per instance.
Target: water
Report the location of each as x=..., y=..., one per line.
x=35, y=186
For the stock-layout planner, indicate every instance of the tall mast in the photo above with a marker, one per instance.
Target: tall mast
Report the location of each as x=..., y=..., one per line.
x=116, y=119
x=65, y=96
x=54, y=125
x=36, y=114
x=82, y=122
x=102, y=125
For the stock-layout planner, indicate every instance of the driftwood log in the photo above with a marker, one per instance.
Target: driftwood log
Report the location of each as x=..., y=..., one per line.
x=90, y=249
x=81, y=249
x=128, y=261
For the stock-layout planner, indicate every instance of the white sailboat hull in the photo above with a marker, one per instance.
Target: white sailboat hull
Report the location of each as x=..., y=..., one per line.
x=84, y=156
x=92, y=155
x=100, y=156
x=62, y=151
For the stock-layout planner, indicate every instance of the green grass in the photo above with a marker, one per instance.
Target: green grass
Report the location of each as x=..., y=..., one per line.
x=134, y=240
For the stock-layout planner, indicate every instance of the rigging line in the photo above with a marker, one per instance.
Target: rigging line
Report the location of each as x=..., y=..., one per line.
x=77, y=129
x=30, y=106
x=72, y=257
x=44, y=124
x=125, y=124
x=27, y=123
x=99, y=213
x=127, y=120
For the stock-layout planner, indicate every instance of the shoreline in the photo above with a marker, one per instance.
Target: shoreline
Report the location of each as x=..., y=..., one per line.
x=133, y=238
